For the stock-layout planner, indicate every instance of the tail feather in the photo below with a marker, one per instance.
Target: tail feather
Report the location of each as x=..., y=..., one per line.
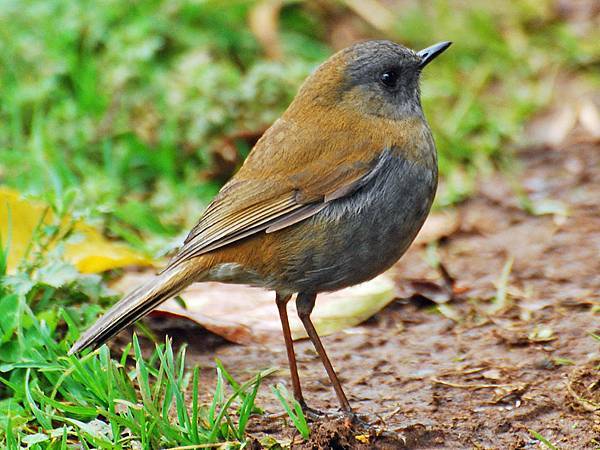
x=134, y=306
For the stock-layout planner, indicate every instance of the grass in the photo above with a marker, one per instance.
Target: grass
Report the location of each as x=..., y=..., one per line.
x=543, y=440
x=117, y=112
x=112, y=403
x=51, y=400
x=124, y=108
x=292, y=408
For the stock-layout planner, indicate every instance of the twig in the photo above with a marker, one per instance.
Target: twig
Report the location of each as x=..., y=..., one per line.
x=584, y=403
x=470, y=386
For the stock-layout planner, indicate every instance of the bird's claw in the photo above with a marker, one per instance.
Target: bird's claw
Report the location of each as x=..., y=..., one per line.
x=314, y=415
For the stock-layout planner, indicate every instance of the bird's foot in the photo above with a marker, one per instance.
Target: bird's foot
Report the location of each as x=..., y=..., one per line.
x=357, y=421
x=315, y=415
x=312, y=414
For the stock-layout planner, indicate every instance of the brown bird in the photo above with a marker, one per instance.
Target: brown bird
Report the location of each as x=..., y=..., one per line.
x=331, y=196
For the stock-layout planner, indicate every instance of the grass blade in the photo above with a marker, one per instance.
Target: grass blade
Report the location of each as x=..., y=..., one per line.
x=293, y=409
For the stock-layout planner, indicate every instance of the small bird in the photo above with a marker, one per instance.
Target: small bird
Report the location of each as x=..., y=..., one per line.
x=332, y=195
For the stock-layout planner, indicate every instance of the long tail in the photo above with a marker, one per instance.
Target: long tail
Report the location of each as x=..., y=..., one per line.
x=136, y=304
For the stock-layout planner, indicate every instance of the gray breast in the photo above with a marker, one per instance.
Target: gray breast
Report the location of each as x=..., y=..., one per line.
x=369, y=230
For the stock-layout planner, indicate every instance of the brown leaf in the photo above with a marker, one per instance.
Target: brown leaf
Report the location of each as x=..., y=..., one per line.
x=264, y=23
x=374, y=13
x=245, y=314
x=438, y=225
x=589, y=117
x=551, y=128
x=425, y=290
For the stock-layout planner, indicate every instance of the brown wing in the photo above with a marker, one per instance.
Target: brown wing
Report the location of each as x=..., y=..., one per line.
x=282, y=182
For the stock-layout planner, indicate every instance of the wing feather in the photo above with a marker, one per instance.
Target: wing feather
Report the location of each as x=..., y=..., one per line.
x=275, y=189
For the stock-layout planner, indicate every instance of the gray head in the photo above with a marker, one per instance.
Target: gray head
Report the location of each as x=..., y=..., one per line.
x=383, y=77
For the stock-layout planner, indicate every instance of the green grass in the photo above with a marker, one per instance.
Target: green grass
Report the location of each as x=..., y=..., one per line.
x=99, y=400
x=125, y=105
x=292, y=408
x=51, y=400
x=543, y=440
x=113, y=110
x=110, y=403
x=501, y=69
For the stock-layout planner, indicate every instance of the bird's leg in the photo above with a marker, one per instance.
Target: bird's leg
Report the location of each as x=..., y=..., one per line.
x=305, y=303
x=282, y=302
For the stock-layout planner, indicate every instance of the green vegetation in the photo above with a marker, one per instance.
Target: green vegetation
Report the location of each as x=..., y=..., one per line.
x=124, y=103
x=112, y=111
x=292, y=408
x=502, y=69
x=49, y=400
x=543, y=440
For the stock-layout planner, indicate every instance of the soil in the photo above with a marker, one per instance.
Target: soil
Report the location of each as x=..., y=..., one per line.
x=477, y=371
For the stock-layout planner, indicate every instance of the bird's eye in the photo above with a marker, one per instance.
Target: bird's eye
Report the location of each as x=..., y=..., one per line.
x=389, y=78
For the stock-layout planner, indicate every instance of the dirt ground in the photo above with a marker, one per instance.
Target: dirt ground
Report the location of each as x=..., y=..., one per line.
x=467, y=377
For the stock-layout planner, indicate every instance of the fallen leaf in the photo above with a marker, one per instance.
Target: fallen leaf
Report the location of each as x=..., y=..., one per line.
x=438, y=225
x=246, y=315
x=264, y=23
x=424, y=291
x=428, y=291
x=95, y=253
x=374, y=13
x=542, y=334
x=589, y=117
x=576, y=114
x=36, y=438
x=90, y=252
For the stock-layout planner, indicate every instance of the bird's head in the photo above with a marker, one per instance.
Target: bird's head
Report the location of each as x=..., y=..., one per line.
x=375, y=78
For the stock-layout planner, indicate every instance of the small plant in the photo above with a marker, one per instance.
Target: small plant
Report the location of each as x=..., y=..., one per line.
x=102, y=402
x=543, y=440
x=292, y=408
x=49, y=400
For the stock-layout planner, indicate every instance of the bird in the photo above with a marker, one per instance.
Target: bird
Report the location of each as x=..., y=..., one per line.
x=331, y=195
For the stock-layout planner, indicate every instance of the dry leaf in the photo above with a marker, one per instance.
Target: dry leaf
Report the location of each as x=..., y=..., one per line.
x=245, y=314
x=374, y=13
x=425, y=290
x=438, y=225
x=264, y=23
x=90, y=253
x=552, y=127
x=589, y=117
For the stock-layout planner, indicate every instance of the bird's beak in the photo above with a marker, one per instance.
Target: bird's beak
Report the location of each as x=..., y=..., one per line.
x=430, y=53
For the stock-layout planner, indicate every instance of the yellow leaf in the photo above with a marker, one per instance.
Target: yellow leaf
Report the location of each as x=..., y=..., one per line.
x=92, y=253
x=364, y=438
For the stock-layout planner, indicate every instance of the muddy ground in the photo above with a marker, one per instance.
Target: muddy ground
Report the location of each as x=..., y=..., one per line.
x=469, y=376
